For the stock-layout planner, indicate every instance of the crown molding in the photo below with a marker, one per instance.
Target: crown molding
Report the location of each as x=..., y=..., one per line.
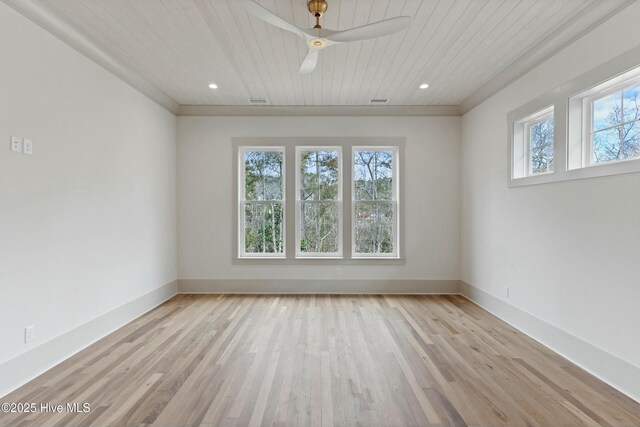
x=551, y=45
x=55, y=23
x=240, y=110
x=51, y=20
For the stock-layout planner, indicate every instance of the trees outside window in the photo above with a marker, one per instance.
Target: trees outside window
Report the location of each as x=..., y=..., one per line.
x=319, y=202
x=262, y=197
x=533, y=144
x=374, y=207
x=315, y=187
x=541, y=145
x=615, y=126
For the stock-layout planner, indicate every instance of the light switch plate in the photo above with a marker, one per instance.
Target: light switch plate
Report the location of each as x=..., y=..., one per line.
x=27, y=146
x=16, y=144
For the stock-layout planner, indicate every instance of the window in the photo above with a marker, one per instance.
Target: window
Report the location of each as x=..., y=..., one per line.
x=374, y=206
x=262, y=199
x=604, y=123
x=296, y=199
x=319, y=202
x=533, y=144
x=586, y=128
x=615, y=125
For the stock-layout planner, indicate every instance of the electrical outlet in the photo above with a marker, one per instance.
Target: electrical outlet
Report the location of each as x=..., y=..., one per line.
x=16, y=144
x=27, y=146
x=29, y=333
x=338, y=272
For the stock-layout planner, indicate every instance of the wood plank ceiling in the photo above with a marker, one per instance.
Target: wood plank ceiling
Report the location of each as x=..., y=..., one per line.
x=456, y=46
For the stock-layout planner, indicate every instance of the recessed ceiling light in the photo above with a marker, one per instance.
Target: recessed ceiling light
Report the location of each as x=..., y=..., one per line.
x=213, y=86
x=424, y=86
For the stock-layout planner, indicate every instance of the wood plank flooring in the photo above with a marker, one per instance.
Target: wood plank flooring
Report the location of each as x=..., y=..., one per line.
x=241, y=360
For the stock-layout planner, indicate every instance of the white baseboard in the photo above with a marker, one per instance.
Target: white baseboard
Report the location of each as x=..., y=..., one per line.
x=317, y=286
x=26, y=366
x=609, y=368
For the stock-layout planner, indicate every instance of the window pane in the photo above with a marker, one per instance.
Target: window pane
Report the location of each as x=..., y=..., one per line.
x=541, y=146
x=319, y=178
x=319, y=224
x=606, y=145
x=631, y=103
x=373, y=174
x=607, y=111
x=631, y=140
x=263, y=228
x=263, y=175
x=374, y=228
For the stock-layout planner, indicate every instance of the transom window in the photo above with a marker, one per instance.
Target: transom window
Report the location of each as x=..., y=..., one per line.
x=597, y=131
x=540, y=150
x=533, y=144
x=615, y=125
x=262, y=198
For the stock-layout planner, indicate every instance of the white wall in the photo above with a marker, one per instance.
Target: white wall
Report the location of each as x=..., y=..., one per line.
x=568, y=251
x=88, y=222
x=431, y=198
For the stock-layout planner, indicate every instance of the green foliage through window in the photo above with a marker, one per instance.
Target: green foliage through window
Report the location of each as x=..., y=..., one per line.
x=263, y=202
x=374, y=220
x=319, y=198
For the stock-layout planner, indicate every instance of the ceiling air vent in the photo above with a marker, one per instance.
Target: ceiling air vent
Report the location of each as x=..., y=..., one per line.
x=379, y=101
x=258, y=101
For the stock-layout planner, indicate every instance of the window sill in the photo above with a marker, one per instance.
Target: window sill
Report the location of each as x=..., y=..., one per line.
x=318, y=261
x=261, y=257
x=593, y=171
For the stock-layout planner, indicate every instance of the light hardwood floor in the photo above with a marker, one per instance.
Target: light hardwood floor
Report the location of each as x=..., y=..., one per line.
x=240, y=360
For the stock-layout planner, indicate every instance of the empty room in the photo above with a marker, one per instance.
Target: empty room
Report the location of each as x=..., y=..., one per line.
x=372, y=213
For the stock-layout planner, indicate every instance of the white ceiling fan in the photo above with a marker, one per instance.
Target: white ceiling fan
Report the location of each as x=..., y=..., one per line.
x=318, y=38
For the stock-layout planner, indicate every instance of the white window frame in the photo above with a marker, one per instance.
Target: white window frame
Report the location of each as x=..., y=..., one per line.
x=242, y=202
x=339, y=202
x=521, y=143
x=572, y=142
x=395, y=192
x=606, y=89
x=580, y=135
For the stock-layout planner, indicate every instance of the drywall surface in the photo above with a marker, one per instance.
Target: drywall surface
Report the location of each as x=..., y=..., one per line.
x=431, y=197
x=569, y=252
x=88, y=222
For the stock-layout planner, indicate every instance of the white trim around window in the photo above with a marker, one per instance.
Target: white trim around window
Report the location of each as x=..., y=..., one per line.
x=572, y=105
x=521, y=164
x=301, y=204
x=291, y=147
x=581, y=120
x=392, y=203
x=269, y=204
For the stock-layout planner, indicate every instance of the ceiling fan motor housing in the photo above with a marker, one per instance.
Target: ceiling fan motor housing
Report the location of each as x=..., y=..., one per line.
x=317, y=7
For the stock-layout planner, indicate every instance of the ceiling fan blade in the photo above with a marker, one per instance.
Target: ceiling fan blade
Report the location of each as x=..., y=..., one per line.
x=269, y=17
x=371, y=31
x=309, y=63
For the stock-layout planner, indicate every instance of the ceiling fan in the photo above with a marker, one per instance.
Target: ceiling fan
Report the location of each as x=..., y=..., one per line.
x=318, y=38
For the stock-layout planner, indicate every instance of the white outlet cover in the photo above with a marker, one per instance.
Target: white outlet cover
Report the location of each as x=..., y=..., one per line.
x=27, y=146
x=16, y=144
x=29, y=333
